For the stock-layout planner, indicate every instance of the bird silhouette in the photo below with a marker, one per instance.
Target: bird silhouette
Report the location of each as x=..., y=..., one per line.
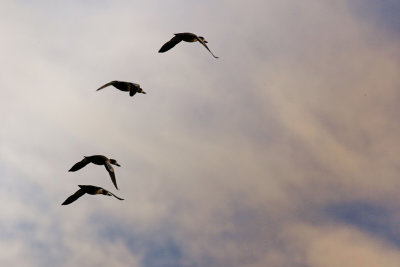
x=98, y=160
x=132, y=88
x=88, y=189
x=187, y=37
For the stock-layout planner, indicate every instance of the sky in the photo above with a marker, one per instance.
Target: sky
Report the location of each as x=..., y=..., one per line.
x=282, y=152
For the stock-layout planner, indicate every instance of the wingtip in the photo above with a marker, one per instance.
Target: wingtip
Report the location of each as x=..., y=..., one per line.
x=164, y=48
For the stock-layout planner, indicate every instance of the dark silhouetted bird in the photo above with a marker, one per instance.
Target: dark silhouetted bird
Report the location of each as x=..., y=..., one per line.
x=98, y=160
x=187, y=37
x=88, y=189
x=132, y=88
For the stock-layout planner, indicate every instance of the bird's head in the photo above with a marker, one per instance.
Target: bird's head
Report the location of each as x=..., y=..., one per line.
x=203, y=39
x=105, y=192
x=114, y=162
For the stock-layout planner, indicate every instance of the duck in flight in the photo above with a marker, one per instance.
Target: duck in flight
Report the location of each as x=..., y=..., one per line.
x=187, y=37
x=132, y=88
x=98, y=160
x=88, y=189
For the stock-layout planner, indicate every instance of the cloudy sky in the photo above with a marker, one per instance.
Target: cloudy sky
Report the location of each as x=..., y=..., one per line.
x=282, y=152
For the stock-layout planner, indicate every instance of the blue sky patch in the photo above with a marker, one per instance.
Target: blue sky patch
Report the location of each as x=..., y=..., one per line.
x=368, y=217
x=158, y=247
x=385, y=13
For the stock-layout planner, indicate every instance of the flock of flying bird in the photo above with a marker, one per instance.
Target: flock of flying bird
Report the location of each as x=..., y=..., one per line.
x=132, y=88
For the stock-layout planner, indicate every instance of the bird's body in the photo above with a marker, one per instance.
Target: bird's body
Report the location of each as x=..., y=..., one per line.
x=88, y=189
x=98, y=160
x=132, y=88
x=187, y=37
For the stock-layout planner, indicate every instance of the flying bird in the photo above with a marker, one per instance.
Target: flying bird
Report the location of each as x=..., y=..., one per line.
x=88, y=189
x=98, y=160
x=187, y=37
x=132, y=88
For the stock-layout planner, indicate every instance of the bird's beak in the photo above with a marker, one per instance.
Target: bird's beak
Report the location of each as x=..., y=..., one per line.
x=143, y=92
x=117, y=164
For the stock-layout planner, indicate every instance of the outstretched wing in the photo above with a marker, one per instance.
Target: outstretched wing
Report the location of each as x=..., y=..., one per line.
x=134, y=88
x=107, y=84
x=204, y=44
x=133, y=91
x=74, y=197
x=171, y=43
x=110, y=170
x=79, y=165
